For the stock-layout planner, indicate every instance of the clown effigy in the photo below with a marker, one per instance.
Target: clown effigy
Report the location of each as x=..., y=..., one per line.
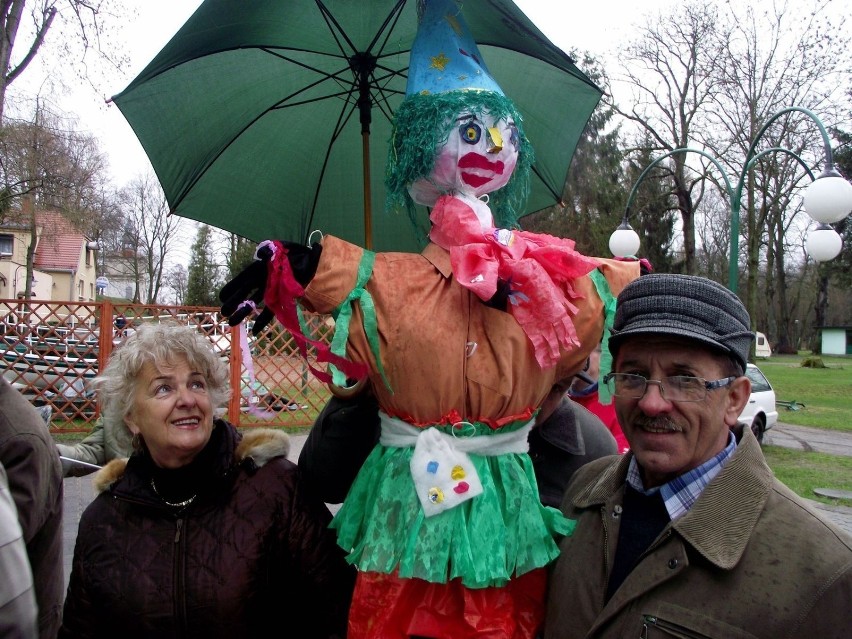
x=460, y=344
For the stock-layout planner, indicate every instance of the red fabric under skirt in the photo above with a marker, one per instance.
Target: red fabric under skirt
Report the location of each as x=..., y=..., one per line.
x=387, y=607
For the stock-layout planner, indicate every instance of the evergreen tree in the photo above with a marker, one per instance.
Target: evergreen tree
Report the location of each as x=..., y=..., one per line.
x=203, y=281
x=654, y=210
x=593, y=196
x=240, y=254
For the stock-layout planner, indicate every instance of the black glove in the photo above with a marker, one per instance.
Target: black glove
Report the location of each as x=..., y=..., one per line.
x=250, y=283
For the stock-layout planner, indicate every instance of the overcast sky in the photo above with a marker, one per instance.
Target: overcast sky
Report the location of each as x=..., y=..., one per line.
x=159, y=20
x=598, y=27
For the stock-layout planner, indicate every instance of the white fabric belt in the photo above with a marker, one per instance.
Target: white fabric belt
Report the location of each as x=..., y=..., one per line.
x=443, y=474
x=399, y=434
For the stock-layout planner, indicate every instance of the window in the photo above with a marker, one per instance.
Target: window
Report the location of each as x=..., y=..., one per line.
x=759, y=383
x=6, y=244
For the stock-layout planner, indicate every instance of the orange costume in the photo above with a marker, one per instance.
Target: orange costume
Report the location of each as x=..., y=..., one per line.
x=447, y=358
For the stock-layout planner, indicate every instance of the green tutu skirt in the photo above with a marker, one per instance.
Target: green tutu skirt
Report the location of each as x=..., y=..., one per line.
x=485, y=541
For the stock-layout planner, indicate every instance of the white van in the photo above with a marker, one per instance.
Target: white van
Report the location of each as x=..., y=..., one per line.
x=761, y=345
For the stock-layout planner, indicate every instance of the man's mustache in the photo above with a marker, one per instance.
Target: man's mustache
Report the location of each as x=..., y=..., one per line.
x=659, y=423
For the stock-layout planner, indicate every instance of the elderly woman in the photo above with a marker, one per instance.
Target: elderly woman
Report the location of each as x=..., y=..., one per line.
x=202, y=532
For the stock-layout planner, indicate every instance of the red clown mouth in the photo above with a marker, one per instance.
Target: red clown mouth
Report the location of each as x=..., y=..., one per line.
x=479, y=164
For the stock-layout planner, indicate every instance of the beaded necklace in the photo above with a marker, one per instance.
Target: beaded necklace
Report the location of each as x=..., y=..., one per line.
x=178, y=504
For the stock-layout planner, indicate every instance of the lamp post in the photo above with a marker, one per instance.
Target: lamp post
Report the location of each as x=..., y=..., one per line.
x=827, y=199
x=27, y=289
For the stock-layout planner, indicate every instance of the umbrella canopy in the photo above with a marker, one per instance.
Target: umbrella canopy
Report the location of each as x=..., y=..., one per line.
x=258, y=116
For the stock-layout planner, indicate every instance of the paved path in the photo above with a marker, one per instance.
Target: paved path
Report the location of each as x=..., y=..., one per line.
x=833, y=442
x=78, y=490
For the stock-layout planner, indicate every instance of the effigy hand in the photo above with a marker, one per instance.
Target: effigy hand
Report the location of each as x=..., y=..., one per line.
x=246, y=291
x=249, y=285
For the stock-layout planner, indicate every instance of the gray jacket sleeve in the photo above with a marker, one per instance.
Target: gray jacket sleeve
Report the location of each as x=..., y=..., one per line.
x=18, y=617
x=89, y=450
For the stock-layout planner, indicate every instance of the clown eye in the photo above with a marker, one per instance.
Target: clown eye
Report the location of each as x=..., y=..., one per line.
x=470, y=132
x=514, y=136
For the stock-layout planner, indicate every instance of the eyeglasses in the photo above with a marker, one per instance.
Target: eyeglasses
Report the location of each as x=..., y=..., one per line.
x=679, y=388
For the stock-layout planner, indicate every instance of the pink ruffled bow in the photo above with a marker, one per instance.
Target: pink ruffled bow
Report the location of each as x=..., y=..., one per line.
x=540, y=270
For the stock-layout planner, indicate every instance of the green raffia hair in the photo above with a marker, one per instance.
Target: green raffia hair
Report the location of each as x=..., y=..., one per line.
x=424, y=122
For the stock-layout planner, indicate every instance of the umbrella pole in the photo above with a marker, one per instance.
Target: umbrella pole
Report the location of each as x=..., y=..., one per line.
x=368, y=222
x=362, y=65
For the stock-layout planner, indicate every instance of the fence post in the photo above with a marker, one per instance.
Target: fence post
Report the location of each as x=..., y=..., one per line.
x=105, y=335
x=234, y=366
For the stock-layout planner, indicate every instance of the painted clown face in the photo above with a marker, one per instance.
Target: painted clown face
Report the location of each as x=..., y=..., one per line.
x=478, y=157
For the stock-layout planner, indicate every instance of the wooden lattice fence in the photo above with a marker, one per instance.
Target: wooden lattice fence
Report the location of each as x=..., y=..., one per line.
x=51, y=351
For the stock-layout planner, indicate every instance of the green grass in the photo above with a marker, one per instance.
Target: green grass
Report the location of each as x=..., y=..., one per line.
x=826, y=393
x=825, y=398
x=803, y=471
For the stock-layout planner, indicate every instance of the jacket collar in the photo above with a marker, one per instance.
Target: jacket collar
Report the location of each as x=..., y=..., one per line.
x=440, y=259
x=256, y=447
x=721, y=522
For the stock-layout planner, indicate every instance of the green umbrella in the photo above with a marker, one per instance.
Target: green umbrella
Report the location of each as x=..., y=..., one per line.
x=257, y=116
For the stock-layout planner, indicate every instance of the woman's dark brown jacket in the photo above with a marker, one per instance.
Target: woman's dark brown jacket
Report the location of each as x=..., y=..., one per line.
x=252, y=553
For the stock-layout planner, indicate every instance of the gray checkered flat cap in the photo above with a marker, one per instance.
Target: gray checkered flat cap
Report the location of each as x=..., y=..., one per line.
x=685, y=306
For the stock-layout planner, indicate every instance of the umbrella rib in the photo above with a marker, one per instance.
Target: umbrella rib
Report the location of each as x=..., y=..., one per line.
x=325, y=74
x=382, y=102
x=334, y=27
x=394, y=16
x=378, y=82
x=342, y=119
x=248, y=125
x=556, y=196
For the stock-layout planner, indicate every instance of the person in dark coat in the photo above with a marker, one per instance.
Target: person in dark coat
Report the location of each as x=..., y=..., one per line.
x=203, y=532
x=566, y=437
x=29, y=455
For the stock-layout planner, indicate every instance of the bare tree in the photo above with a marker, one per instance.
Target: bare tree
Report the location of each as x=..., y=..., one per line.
x=713, y=77
x=75, y=30
x=149, y=234
x=175, y=278
x=671, y=71
x=787, y=55
x=47, y=165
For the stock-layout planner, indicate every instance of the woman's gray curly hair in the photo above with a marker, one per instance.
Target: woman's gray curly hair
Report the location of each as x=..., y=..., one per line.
x=157, y=344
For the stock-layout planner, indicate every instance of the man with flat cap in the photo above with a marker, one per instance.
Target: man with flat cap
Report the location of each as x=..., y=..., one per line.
x=689, y=534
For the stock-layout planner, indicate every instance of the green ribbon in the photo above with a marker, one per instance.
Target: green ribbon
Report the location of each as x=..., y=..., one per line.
x=343, y=316
x=609, y=302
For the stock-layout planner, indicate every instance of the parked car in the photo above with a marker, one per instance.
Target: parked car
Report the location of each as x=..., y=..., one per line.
x=760, y=414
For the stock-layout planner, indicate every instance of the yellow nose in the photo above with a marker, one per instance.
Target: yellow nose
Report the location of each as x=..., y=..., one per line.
x=496, y=140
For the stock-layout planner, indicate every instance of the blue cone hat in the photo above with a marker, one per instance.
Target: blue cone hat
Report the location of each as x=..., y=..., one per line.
x=444, y=56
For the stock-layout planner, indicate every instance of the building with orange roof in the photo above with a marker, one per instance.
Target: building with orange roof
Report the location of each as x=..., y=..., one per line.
x=64, y=264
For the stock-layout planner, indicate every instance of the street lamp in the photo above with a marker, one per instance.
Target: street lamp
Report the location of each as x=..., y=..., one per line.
x=15, y=279
x=827, y=199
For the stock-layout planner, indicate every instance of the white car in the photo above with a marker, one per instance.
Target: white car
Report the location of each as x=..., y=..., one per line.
x=760, y=413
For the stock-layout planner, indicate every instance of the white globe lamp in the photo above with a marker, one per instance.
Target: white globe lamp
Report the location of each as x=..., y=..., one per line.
x=828, y=199
x=624, y=241
x=823, y=243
